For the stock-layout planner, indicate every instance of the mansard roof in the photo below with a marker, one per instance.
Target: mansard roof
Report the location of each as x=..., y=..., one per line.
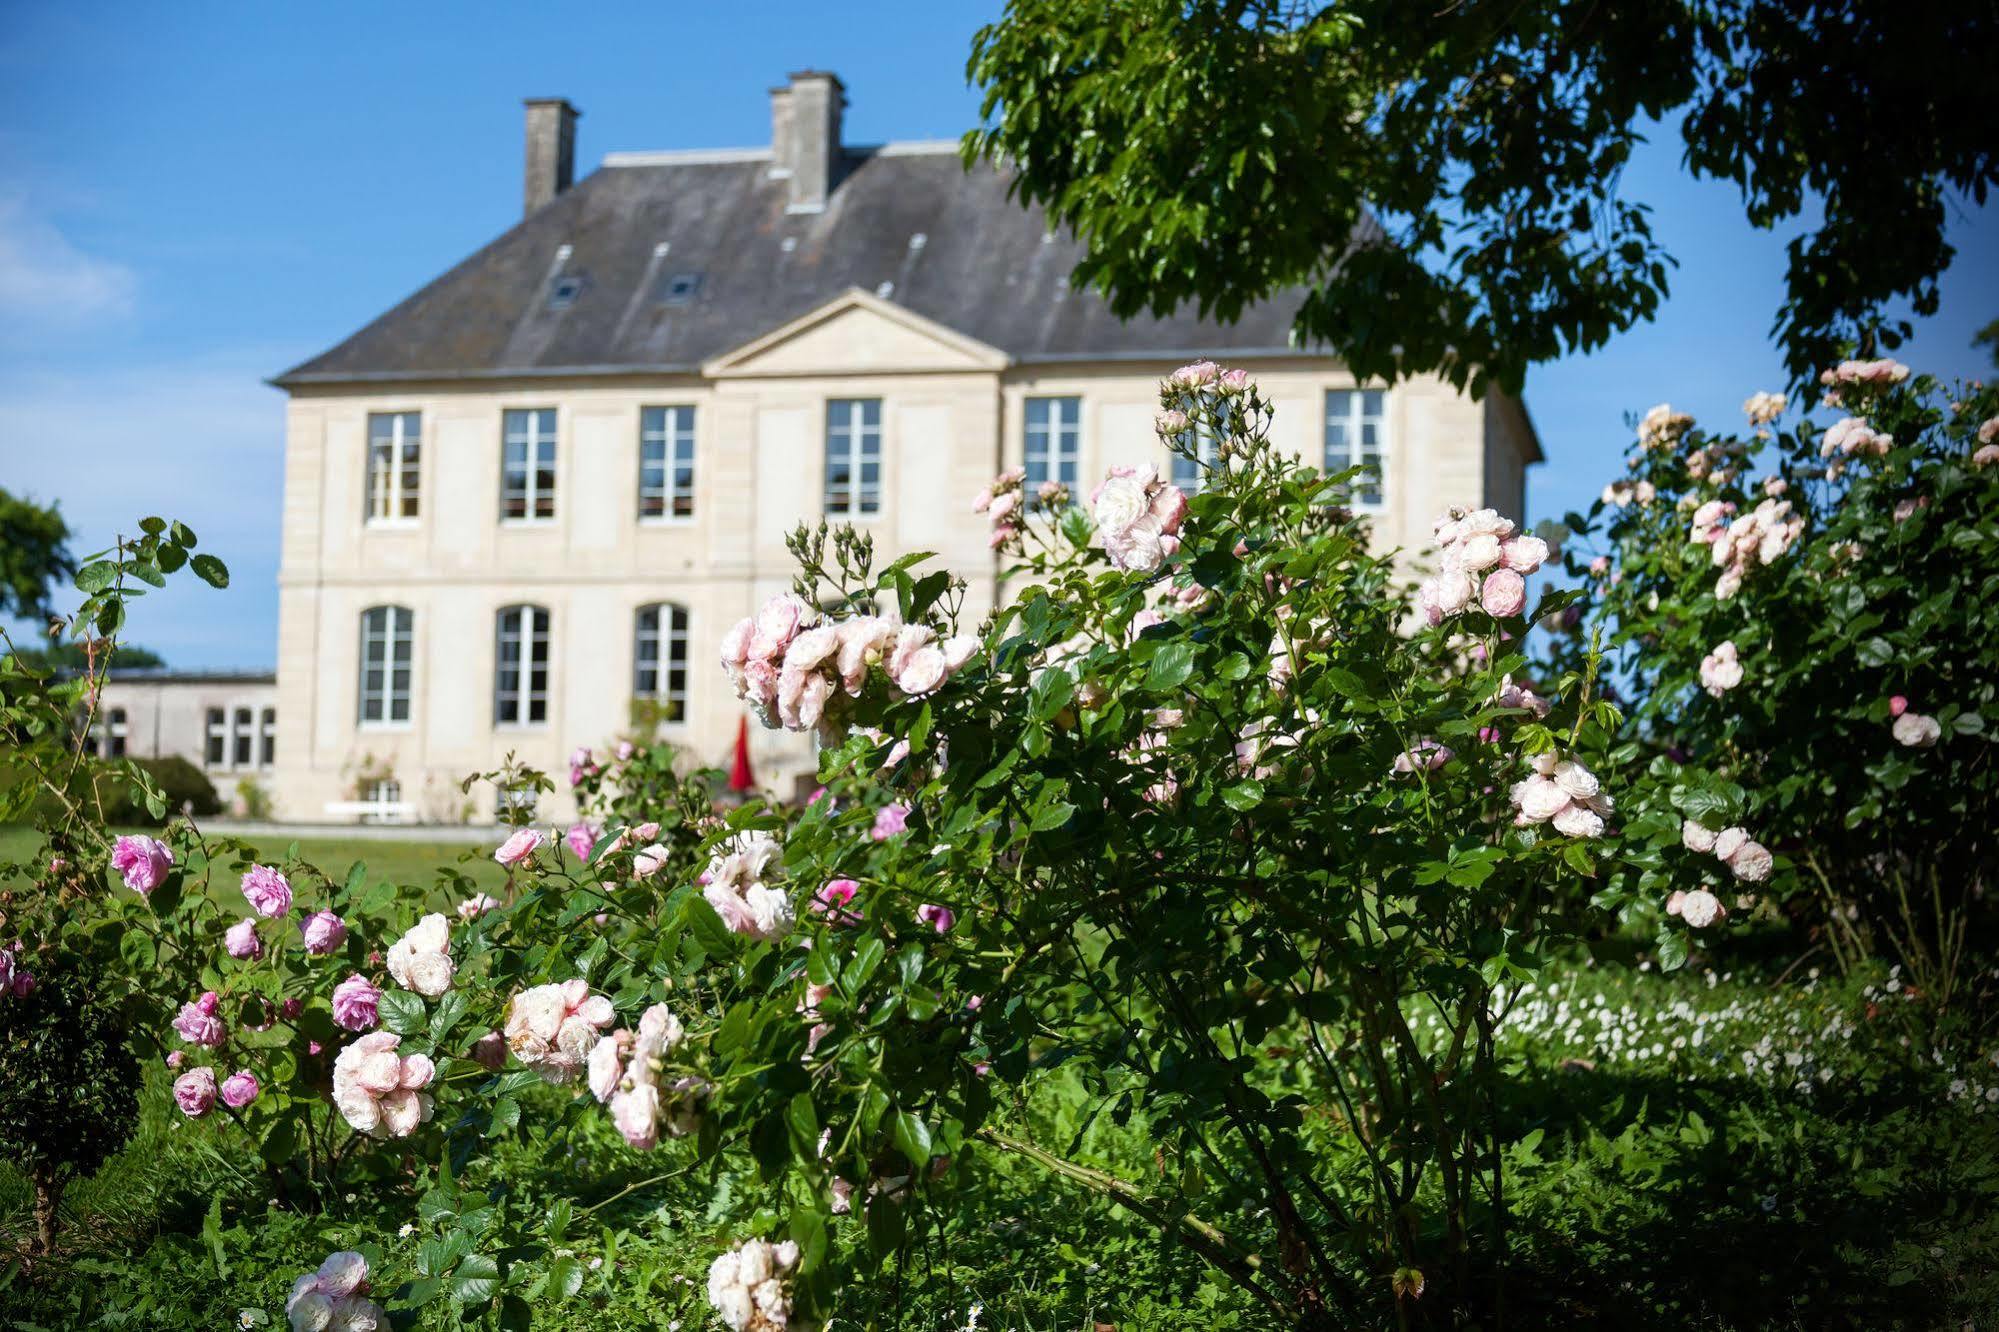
x=661, y=262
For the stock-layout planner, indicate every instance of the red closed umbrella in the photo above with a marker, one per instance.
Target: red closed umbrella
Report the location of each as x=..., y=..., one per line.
x=741, y=779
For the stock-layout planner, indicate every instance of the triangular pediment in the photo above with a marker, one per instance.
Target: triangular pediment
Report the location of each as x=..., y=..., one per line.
x=857, y=333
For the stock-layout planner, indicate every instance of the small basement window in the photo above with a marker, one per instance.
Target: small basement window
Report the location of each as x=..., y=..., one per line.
x=562, y=292
x=681, y=289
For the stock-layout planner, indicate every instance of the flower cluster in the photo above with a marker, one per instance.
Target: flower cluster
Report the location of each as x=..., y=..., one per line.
x=1426, y=755
x=1710, y=522
x=1138, y=517
x=791, y=668
x=1562, y=792
x=552, y=1028
x=421, y=960
x=1866, y=374
x=142, y=861
x=1699, y=908
x=335, y=1298
x=1662, y=427
x=1479, y=553
x=1763, y=408
x=747, y=1285
x=1746, y=858
x=197, y=1023
x=1721, y=669
x=380, y=1092
x=1759, y=537
x=14, y=979
x=1620, y=493
x=624, y=1073
x=1006, y=505
x=1851, y=436
x=734, y=885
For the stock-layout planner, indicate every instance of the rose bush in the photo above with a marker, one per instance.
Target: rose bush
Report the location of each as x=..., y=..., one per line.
x=1806, y=619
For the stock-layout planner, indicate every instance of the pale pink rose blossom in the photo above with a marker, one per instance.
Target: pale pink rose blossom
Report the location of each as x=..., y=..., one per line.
x=476, y=906
x=1985, y=454
x=356, y=1004
x=1763, y=408
x=1198, y=374
x=518, y=847
x=421, y=959
x=1916, y=731
x=194, y=1092
x=142, y=861
x=334, y=1299
x=239, y=1089
x=268, y=891
x=175, y=1058
x=1751, y=862
x=1426, y=755
x=1675, y=901
x=1721, y=669
x=1701, y=908
x=242, y=941
x=1696, y=837
x=552, y=1028
x=890, y=821
x=938, y=918
x=1138, y=517
x=379, y=1091
x=1504, y=594
x=323, y=932
x=197, y=1023
x=581, y=840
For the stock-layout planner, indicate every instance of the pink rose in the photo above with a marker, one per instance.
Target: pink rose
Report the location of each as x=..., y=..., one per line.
x=1504, y=593
x=833, y=900
x=1701, y=908
x=269, y=892
x=197, y=1024
x=380, y=1091
x=242, y=941
x=1197, y=375
x=239, y=1089
x=890, y=821
x=356, y=1003
x=194, y=1092
x=581, y=839
x=176, y=1058
x=1233, y=381
x=938, y=918
x=324, y=932
x=290, y=1009
x=1916, y=731
x=518, y=847
x=1897, y=705
x=476, y=906
x=143, y=861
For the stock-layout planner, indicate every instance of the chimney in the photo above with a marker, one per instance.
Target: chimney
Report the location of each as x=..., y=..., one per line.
x=551, y=149
x=805, y=136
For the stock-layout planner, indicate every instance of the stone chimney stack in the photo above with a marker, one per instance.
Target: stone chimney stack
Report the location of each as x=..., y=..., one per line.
x=551, y=149
x=805, y=136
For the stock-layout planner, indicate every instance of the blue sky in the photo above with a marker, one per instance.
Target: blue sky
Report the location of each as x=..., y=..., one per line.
x=195, y=197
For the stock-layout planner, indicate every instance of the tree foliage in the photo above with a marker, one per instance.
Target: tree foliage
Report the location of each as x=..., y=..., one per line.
x=1445, y=178
x=34, y=555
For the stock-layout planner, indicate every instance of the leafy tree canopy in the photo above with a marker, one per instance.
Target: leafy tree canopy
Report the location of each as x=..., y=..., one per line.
x=34, y=555
x=70, y=657
x=1445, y=178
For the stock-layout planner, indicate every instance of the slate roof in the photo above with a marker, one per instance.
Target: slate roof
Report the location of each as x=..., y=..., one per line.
x=985, y=266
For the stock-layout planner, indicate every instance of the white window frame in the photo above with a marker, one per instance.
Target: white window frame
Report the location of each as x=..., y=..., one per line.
x=1052, y=449
x=217, y=740
x=671, y=431
x=267, y=738
x=1185, y=472
x=671, y=641
x=530, y=634
x=242, y=739
x=851, y=440
x=397, y=637
x=395, y=482
x=1355, y=421
x=535, y=444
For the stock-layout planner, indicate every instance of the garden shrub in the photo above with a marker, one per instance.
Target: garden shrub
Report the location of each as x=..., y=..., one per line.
x=1806, y=620
x=184, y=787
x=69, y=1083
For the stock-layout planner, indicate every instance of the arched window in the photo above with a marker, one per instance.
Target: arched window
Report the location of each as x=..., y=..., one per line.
x=387, y=644
x=659, y=657
x=520, y=666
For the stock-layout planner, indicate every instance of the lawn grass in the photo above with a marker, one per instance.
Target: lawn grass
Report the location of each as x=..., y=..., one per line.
x=403, y=862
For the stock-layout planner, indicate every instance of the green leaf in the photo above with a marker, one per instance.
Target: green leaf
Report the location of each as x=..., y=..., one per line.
x=449, y=1009
x=505, y=1114
x=565, y=1277
x=912, y=1138
x=210, y=570
x=476, y=1280
x=862, y=965
x=1244, y=795
x=1050, y=817
x=402, y=1012
x=94, y=578
x=1171, y=666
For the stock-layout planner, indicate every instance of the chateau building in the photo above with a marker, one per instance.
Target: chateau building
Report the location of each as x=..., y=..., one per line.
x=539, y=490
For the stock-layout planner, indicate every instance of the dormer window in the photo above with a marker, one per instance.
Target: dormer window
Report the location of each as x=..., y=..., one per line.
x=681, y=289
x=562, y=292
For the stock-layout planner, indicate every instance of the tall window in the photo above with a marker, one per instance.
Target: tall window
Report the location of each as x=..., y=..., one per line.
x=520, y=666
x=386, y=645
x=114, y=733
x=395, y=470
x=1354, y=438
x=246, y=738
x=853, y=457
x=267, y=738
x=218, y=738
x=659, y=658
x=1191, y=473
x=1054, y=440
x=527, y=466
x=666, y=462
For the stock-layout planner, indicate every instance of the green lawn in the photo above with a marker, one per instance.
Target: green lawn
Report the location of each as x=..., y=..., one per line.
x=406, y=863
